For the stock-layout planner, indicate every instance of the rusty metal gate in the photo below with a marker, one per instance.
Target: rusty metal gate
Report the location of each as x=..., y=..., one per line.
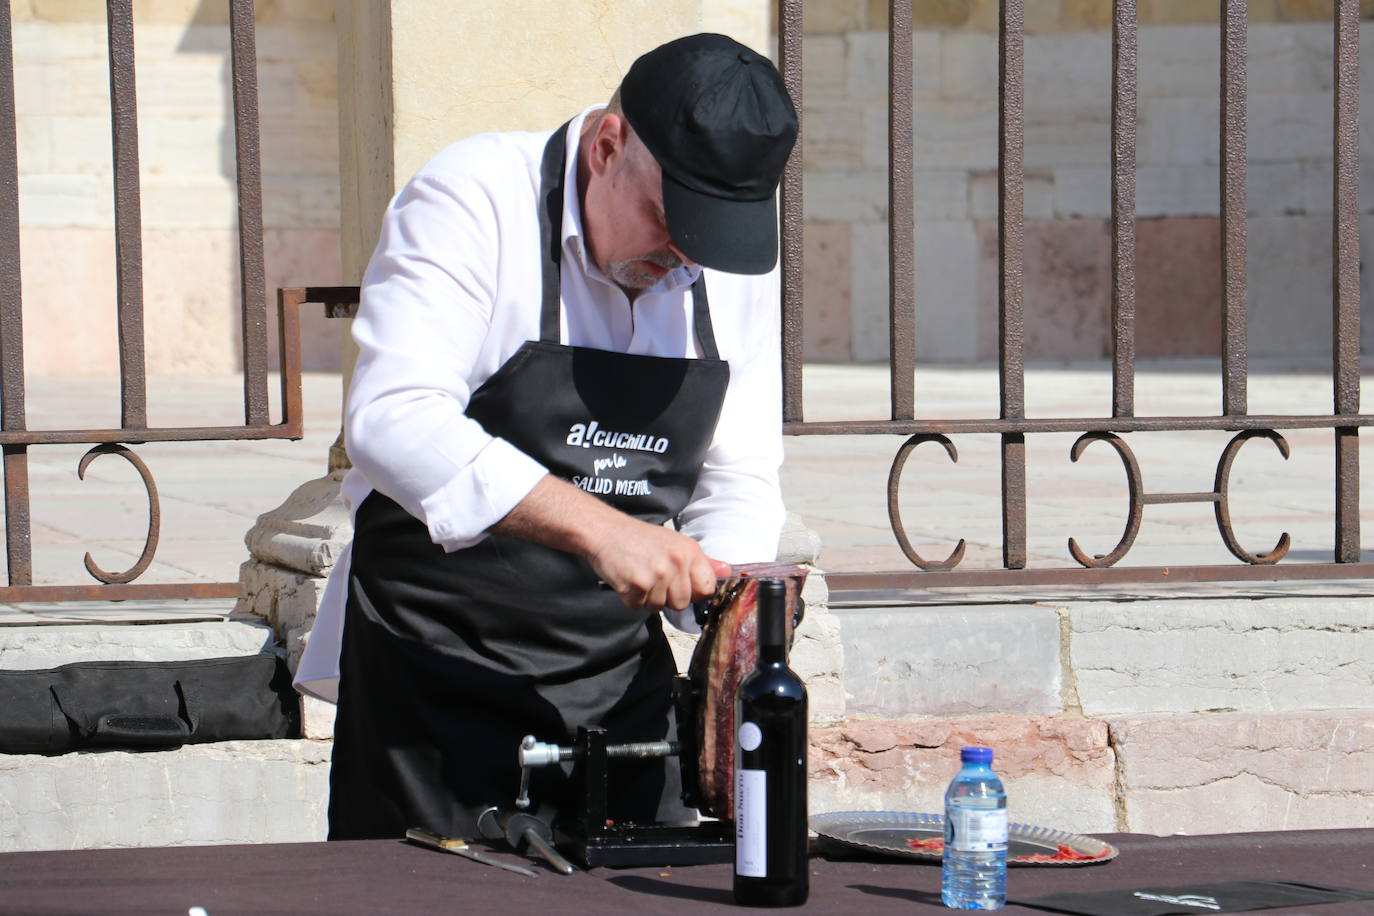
x=15, y=437
x=1012, y=425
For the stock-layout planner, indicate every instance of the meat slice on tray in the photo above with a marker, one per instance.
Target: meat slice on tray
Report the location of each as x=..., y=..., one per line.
x=725, y=654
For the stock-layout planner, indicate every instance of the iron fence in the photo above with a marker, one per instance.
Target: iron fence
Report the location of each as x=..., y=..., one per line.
x=1012, y=424
x=16, y=438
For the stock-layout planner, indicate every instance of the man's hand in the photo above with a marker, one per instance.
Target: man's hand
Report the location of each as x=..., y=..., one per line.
x=650, y=567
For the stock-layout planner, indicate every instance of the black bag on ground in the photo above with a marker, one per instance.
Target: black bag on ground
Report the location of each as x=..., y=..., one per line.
x=146, y=704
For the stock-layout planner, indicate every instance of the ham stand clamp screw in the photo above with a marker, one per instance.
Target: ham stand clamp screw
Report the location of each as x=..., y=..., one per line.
x=596, y=840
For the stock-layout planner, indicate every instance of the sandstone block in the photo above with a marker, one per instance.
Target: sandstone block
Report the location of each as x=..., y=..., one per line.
x=1284, y=189
x=1178, y=286
x=1274, y=654
x=968, y=65
x=1040, y=194
x=1087, y=14
x=945, y=290
x=37, y=39
x=1177, y=12
x=1195, y=190
x=827, y=285
x=834, y=17
x=941, y=194
x=226, y=792
x=1291, y=126
x=1226, y=772
x=834, y=136
x=870, y=291
x=851, y=197
x=301, y=202
x=954, y=134
x=1180, y=60
x=1179, y=131
x=1077, y=192
x=1071, y=68
x=79, y=145
x=178, y=202
x=1289, y=279
x=1058, y=771
x=186, y=146
x=948, y=661
x=297, y=41
x=866, y=65
x=162, y=40
x=823, y=69
x=70, y=86
x=941, y=14
x=1289, y=57
x=1060, y=134
x=65, y=202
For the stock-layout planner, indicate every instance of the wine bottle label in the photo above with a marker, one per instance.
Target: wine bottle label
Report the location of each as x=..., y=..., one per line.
x=977, y=829
x=751, y=823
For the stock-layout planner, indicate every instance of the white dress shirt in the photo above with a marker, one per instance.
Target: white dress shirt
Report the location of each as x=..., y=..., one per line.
x=453, y=290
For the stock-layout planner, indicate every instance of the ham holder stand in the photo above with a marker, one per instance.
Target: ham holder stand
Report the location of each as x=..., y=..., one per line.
x=704, y=703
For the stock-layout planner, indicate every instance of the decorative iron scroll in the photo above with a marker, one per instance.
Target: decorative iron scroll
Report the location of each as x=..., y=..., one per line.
x=1219, y=497
x=894, y=511
x=154, y=514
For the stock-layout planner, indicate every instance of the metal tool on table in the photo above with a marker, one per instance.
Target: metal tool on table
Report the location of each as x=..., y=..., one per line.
x=460, y=847
x=703, y=702
x=523, y=831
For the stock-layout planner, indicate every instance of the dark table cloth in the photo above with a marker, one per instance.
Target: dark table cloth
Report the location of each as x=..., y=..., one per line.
x=381, y=876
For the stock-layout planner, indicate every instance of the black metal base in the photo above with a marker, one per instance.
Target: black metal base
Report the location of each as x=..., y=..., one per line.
x=630, y=845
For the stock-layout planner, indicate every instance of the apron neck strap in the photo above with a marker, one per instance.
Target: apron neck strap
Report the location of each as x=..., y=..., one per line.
x=551, y=172
x=551, y=230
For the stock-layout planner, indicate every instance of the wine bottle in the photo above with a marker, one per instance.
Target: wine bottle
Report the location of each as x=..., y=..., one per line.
x=770, y=767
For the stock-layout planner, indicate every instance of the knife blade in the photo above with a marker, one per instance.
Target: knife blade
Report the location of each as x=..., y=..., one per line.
x=460, y=847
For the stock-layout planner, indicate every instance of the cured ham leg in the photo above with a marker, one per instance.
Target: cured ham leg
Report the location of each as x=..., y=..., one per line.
x=726, y=653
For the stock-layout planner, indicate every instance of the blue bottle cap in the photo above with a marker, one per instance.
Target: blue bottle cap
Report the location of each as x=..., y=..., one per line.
x=976, y=755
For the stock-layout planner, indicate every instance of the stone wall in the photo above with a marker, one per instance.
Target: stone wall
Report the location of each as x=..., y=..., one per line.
x=1152, y=716
x=186, y=142
x=1067, y=194
x=189, y=207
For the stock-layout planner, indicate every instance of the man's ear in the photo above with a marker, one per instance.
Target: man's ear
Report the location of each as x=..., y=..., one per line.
x=609, y=142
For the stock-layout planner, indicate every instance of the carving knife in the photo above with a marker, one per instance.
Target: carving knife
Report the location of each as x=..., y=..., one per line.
x=460, y=847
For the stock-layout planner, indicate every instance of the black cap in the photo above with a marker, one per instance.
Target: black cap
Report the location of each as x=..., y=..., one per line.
x=719, y=121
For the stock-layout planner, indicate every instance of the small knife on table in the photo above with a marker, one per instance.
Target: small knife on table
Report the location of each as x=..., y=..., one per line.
x=460, y=847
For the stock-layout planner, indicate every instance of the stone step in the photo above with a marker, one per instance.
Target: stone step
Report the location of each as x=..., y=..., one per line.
x=226, y=792
x=36, y=636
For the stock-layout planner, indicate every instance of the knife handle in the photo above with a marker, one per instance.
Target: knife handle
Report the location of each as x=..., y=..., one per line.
x=432, y=840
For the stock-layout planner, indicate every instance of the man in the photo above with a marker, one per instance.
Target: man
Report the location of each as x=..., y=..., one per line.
x=542, y=383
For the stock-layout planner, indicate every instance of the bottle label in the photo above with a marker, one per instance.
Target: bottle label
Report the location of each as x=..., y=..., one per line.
x=977, y=829
x=751, y=823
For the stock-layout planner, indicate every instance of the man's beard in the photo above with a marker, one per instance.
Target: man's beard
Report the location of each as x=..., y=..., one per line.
x=631, y=274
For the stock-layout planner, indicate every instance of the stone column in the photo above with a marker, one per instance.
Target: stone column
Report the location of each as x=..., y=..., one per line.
x=414, y=76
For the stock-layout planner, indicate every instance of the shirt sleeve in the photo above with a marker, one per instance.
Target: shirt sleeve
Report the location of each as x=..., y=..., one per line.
x=736, y=511
x=425, y=310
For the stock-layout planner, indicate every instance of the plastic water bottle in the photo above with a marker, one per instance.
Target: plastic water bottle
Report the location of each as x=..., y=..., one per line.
x=973, y=874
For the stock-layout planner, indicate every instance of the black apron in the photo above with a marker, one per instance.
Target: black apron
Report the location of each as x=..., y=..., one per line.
x=449, y=659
